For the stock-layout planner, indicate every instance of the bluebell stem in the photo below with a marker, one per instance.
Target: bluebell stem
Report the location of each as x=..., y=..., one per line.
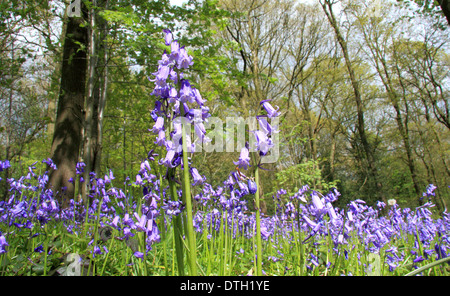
x=263, y=144
x=178, y=104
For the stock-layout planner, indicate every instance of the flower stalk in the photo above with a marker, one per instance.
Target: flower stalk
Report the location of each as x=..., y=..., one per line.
x=179, y=103
x=428, y=266
x=163, y=227
x=192, y=256
x=258, y=226
x=177, y=225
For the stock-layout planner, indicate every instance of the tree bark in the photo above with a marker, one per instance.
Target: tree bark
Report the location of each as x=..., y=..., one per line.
x=372, y=170
x=97, y=92
x=103, y=90
x=69, y=117
x=382, y=68
x=89, y=121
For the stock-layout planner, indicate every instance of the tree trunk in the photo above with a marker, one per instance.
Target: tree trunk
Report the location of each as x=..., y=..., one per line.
x=96, y=93
x=56, y=82
x=101, y=103
x=402, y=122
x=8, y=125
x=332, y=156
x=372, y=170
x=89, y=103
x=68, y=124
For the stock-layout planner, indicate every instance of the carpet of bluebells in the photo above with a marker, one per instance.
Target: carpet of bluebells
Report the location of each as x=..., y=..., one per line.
x=307, y=235
x=135, y=228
